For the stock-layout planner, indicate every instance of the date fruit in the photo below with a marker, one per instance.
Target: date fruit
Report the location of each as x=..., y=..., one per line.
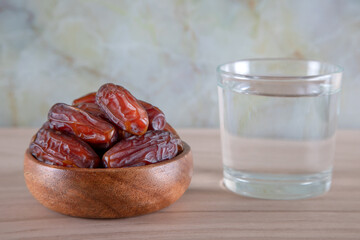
x=169, y=128
x=93, y=130
x=60, y=149
x=122, y=108
x=108, y=128
x=46, y=125
x=93, y=109
x=152, y=147
x=156, y=116
x=88, y=98
x=124, y=134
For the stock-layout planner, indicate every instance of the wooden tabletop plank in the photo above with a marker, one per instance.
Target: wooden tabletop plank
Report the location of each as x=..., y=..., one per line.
x=206, y=211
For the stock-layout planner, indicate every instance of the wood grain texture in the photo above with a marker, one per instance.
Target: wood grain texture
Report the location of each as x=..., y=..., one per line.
x=109, y=193
x=205, y=211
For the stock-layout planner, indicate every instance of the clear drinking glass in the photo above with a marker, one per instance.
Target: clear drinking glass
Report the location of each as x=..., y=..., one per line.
x=278, y=119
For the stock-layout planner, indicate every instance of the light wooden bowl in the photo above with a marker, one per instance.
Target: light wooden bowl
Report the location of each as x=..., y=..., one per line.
x=109, y=193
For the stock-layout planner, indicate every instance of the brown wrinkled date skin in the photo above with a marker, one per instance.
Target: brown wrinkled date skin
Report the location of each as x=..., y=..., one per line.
x=110, y=124
x=88, y=98
x=46, y=125
x=122, y=108
x=60, y=149
x=93, y=130
x=152, y=147
x=93, y=109
x=123, y=134
x=156, y=116
x=169, y=128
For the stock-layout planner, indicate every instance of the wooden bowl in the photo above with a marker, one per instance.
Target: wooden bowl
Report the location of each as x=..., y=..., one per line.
x=109, y=193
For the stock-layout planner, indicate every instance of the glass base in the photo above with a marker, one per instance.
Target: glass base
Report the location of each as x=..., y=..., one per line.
x=277, y=186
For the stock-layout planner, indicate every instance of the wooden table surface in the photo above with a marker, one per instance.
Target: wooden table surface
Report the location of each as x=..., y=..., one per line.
x=205, y=211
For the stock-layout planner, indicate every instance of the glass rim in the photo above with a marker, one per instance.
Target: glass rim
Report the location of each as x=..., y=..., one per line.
x=337, y=70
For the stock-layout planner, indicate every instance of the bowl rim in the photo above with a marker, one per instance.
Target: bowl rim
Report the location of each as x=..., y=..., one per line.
x=185, y=151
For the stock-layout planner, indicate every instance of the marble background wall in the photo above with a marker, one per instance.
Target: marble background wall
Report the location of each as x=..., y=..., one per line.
x=163, y=51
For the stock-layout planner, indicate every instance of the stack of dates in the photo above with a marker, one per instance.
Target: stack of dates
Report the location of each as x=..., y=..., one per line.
x=109, y=128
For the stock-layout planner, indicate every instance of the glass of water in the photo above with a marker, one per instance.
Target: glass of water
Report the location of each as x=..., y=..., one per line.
x=278, y=119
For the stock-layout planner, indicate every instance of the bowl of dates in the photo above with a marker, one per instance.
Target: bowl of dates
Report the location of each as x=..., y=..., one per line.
x=107, y=155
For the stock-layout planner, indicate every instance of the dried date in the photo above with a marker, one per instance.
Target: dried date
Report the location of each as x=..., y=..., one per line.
x=46, y=125
x=88, y=98
x=122, y=108
x=93, y=109
x=169, y=128
x=93, y=130
x=156, y=116
x=124, y=134
x=152, y=147
x=60, y=149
